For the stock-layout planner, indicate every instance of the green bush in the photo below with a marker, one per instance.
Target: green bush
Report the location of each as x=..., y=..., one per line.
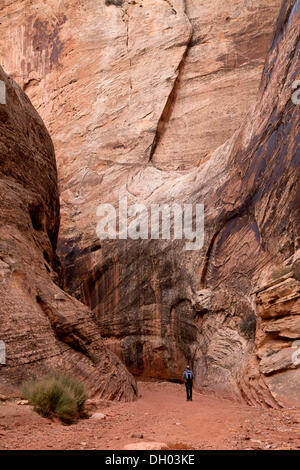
x=248, y=326
x=56, y=395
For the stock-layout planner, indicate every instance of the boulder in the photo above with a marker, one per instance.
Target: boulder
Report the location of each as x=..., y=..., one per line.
x=98, y=416
x=146, y=446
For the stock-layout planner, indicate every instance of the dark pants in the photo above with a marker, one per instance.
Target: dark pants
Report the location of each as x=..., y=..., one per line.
x=189, y=390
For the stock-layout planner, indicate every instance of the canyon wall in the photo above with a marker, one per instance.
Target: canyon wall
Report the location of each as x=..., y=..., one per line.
x=43, y=327
x=125, y=82
x=141, y=99
x=272, y=374
x=277, y=340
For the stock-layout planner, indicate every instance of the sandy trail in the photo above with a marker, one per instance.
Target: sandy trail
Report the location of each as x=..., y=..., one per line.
x=161, y=414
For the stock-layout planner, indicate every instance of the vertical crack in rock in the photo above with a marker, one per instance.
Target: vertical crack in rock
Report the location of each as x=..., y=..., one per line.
x=167, y=111
x=168, y=108
x=125, y=18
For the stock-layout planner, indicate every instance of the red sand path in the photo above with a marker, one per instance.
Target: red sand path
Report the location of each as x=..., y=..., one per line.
x=161, y=414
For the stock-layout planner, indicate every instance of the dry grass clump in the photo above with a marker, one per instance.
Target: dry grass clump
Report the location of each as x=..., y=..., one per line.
x=56, y=395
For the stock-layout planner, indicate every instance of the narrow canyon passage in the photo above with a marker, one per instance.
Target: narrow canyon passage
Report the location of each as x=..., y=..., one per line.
x=161, y=414
x=176, y=108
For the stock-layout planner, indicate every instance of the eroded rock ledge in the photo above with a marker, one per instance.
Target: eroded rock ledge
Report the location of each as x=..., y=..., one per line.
x=273, y=373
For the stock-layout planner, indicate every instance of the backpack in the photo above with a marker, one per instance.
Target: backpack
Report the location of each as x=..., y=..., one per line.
x=188, y=375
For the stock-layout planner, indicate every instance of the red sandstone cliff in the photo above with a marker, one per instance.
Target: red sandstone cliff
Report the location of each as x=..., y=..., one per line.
x=42, y=326
x=133, y=95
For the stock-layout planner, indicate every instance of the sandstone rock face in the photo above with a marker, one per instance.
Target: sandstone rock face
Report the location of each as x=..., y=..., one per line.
x=133, y=93
x=42, y=326
x=127, y=82
x=275, y=374
x=219, y=80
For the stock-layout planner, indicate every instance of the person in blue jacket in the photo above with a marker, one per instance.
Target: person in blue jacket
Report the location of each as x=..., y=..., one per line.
x=188, y=378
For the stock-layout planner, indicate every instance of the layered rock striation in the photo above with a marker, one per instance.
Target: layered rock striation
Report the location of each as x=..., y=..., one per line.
x=272, y=373
x=43, y=328
x=141, y=99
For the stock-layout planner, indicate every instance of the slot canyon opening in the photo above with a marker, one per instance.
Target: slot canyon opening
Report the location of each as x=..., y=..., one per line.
x=36, y=216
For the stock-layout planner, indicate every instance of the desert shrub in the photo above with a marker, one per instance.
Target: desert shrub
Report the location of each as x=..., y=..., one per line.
x=56, y=395
x=77, y=388
x=248, y=326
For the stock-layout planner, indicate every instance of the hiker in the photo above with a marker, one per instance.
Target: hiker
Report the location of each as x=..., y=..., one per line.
x=188, y=378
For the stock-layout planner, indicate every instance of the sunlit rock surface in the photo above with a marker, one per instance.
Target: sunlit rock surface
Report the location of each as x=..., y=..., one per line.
x=133, y=95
